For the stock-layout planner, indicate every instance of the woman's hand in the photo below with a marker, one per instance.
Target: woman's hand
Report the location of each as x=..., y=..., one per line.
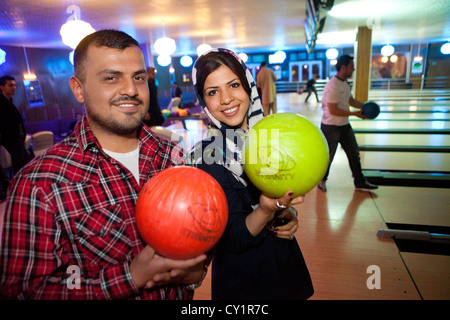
x=271, y=205
x=287, y=230
x=257, y=220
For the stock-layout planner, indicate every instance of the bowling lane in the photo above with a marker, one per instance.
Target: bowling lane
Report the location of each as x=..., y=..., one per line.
x=408, y=94
x=382, y=139
x=414, y=108
x=417, y=205
x=410, y=116
x=402, y=124
x=420, y=206
x=410, y=161
x=415, y=101
x=430, y=274
x=409, y=205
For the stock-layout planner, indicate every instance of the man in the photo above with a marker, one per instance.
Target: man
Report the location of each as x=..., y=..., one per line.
x=154, y=115
x=176, y=91
x=310, y=88
x=336, y=99
x=12, y=129
x=70, y=229
x=265, y=80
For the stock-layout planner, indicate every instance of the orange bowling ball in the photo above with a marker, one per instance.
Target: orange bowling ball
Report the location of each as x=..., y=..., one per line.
x=181, y=212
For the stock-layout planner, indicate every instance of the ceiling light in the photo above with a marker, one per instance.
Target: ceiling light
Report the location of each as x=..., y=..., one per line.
x=186, y=61
x=29, y=76
x=243, y=57
x=338, y=37
x=387, y=50
x=445, y=48
x=164, y=60
x=165, y=46
x=277, y=57
x=332, y=53
x=74, y=30
x=394, y=58
x=203, y=48
x=2, y=56
x=71, y=56
x=363, y=8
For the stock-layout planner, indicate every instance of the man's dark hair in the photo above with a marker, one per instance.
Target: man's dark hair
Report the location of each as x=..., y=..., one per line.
x=343, y=60
x=114, y=39
x=6, y=78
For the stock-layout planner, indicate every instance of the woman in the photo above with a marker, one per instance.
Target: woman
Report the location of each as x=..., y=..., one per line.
x=255, y=258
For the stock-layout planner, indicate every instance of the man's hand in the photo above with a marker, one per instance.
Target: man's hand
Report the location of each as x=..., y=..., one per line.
x=150, y=269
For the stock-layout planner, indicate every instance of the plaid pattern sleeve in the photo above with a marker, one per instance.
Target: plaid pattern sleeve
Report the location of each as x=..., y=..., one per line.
x=70, y=230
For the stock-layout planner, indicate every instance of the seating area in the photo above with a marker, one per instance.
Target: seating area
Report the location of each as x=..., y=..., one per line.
x=41, y=141
x=38, y=142
x=59, y=127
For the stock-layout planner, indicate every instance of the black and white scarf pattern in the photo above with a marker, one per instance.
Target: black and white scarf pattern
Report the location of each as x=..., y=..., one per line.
x=226, y=143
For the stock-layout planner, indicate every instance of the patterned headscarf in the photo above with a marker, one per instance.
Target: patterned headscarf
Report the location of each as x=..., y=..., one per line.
x=223, y=137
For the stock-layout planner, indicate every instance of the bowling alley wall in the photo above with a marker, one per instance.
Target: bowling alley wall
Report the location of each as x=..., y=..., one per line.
x=53, y=71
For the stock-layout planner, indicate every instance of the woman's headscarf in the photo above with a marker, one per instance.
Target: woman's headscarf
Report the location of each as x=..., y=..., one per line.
x=226, y=143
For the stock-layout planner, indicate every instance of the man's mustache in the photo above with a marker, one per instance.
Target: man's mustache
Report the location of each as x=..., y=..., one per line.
x=127, y=99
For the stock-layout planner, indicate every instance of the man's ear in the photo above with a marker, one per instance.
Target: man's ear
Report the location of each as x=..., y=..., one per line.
x=77, y=88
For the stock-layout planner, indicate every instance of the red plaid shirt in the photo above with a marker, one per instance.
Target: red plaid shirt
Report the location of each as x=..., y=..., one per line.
x=74, y=208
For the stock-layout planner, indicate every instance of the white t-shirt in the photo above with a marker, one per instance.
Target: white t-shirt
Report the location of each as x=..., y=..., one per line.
x=335, y=91
x=130, y=160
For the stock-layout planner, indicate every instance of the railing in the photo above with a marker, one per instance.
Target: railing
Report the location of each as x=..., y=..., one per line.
x=287, y=86
x=385, y=84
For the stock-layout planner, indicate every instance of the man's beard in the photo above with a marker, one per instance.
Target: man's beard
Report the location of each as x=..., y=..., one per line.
x=122, y=127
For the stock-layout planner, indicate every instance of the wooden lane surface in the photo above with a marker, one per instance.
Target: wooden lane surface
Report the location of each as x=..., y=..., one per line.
x=337, y=236
x=439, y=140
x=400, y=125
x=409, y=161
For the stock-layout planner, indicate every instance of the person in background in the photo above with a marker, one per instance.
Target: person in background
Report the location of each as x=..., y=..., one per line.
x=154, y=116
x=75, y=121
x=12, y=128
x=4, y=183
x=256, y=258
x=176, y=91
x=70, y=228
x=265, y=79
x=310, y=88
x=336, y=99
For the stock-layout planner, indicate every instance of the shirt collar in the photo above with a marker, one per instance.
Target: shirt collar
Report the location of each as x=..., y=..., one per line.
x=84, y=134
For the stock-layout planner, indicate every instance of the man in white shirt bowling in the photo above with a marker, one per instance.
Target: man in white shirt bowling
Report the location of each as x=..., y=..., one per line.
x=336, y=99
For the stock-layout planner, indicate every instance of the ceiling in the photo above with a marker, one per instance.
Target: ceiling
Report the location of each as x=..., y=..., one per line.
x=242, y=25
